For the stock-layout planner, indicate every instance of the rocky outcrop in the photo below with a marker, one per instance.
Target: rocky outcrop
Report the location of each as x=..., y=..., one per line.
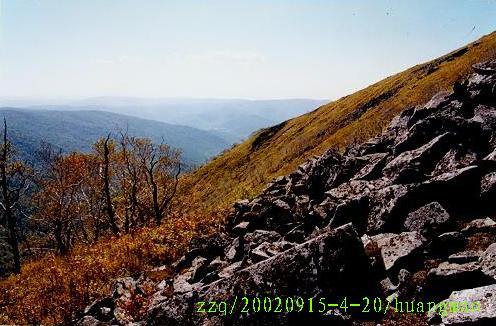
x=406, y=215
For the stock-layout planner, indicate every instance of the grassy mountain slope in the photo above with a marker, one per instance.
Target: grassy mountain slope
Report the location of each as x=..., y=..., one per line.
x=242, y=171
x=77, y=130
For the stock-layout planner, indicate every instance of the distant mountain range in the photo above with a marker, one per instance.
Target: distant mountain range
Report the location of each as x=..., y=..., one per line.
x=78, y=130
x=232, y=119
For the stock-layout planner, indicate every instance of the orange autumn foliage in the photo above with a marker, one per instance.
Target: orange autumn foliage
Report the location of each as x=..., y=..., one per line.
x=51, y=290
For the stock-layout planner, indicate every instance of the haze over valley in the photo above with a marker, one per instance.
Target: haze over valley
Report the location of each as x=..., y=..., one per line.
x=72, y=131
x=231, y=119
x=200, y=128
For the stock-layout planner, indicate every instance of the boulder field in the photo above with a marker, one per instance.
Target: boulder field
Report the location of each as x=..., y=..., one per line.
x=408, y=215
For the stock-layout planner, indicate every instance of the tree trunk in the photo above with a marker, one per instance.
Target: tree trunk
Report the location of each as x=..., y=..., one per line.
x=156, y=206
x=58, y=237
x=11, y=220
x=108, y=198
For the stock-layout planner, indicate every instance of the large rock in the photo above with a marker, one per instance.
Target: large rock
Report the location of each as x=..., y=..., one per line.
x=235, y=250
x=480, y=225
x=455, y=159
x=390, y=205
x=353, y=210
x=447, y=277
x=436, y=124
x=473, y=314
x=351, y=189
x=485, y=68
x=257, y=237
x=199, y=268
x=486, y=116
x=457, y=191
x=397, y=250
x=428, y=219
x=207, y=246
x=446, y=244
x=491, y=157
x=488, y=192
x=269, y=249
x=414, y=165
x=488, y=261
x=177, y=310
x=373, y=168
x=481, y=85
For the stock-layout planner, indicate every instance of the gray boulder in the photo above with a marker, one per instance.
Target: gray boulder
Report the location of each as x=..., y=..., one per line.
x=461, y=314
x=389, y=206
x=488, y=261
x=413, y=165
x=427, y=220
x=480, y=225
x=397, y=250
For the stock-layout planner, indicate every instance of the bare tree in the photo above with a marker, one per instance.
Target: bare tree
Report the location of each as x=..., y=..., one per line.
x=161, y=167
x=130, y=182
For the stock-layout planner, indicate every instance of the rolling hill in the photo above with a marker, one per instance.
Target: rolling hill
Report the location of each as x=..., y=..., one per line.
x=242, y=171
x=77, y=130
x=232, y=119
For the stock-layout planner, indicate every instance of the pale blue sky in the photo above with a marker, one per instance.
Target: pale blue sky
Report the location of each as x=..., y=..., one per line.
x=224, y=49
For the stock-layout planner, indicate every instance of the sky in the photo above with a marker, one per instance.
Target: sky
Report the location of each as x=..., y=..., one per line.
x=254, y=49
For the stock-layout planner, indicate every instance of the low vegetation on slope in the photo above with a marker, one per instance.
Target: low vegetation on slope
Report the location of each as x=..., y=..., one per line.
x=242, y=171
x=55, y=288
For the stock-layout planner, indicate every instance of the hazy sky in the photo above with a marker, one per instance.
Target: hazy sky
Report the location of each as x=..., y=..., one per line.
x=224, y=49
